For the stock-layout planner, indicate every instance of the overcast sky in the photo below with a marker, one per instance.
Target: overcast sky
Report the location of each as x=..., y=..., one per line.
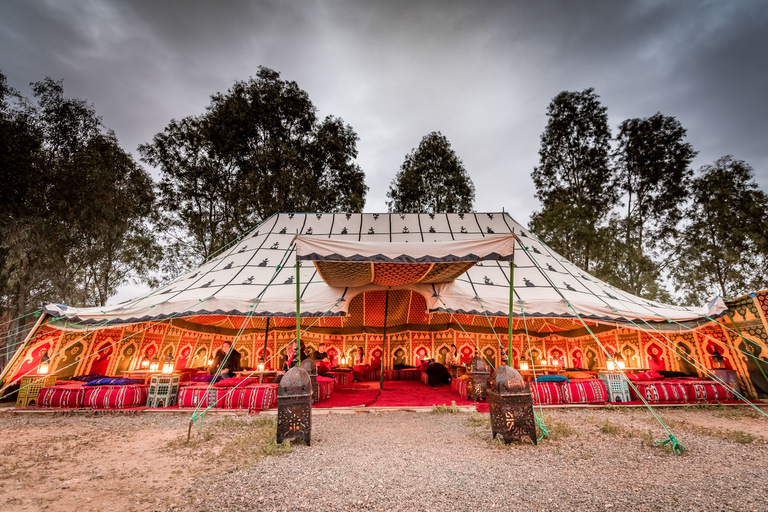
x=482, y=73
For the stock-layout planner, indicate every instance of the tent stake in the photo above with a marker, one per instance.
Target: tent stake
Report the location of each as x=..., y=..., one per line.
x=384, y=339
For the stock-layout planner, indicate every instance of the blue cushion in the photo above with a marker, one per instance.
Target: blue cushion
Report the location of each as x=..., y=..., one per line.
x=88, y=378
x=552, y=378
x=102, y=381
x=124, y=381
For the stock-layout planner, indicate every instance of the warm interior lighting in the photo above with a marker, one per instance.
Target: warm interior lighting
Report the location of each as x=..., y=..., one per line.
x=45, y=363
x=168, y=363
x=144, y=363
x=260, y=367
x=154, y=365
x=523, y=363
x=718, y=361
x=610, y=364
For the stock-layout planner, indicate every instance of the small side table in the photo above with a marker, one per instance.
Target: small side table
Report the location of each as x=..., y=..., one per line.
x=30, y=387
x=163, y=389
x=616, y=386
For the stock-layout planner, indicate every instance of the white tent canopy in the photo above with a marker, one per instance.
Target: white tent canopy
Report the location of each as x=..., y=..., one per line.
x=256, y=275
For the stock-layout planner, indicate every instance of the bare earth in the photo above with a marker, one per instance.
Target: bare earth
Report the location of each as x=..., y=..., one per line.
x=595, y=459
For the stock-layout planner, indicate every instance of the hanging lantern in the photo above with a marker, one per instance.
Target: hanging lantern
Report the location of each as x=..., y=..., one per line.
x=555, y=362
x=523, y=363
x=144, y=363
x=210, y=361
x=168, y=363
x=718, y=361
x=609, y=363
x=260, y=367
x=45, y=363
x=620, y=363
x=154, y=365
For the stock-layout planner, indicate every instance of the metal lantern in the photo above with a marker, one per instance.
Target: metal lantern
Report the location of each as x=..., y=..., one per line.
x=154, y=365
x=144, y=363
x=477, y=380
x=294, y=407
x=45, y=363
x=620, y=363
x=511, y=405
x=718, y=361
x=168, y=363
x=310, y=367
x=523, y=363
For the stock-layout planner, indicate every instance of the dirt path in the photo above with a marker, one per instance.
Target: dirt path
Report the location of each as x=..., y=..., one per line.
x=596, y=459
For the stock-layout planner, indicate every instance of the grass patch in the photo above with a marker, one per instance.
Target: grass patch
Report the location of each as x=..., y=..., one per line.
x=610, y=428
x=242, y=441
x=558, y=430
x=446, y=409
x=478, y=420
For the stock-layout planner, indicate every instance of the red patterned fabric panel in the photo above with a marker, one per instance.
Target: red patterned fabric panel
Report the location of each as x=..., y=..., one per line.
x=662, y=391
x=458, y=386
x=708, y=392
x=410, y=374
x=584, y=391
x=546, y=393
x=325, y=389
x=258, y=397
x=61, y=396
x=115, y=397
x=193, y=395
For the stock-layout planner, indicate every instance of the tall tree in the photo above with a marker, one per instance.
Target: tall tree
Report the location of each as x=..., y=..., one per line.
x=653, y=162
x=723, y=248
x=574, y=180
x=76, y=204
x=257, y=150
x=432, y=179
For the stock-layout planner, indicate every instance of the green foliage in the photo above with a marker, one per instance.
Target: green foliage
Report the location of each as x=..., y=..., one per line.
x=724, y=249
x=257, y=150
x=432, y=179
x=574, y=180
x=446, y=409
x=74, y=207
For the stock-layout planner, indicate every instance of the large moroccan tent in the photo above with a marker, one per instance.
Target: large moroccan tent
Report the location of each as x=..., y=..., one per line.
x=442, y=279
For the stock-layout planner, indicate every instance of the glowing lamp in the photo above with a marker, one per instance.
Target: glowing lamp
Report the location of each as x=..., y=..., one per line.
x=555, y=362
x=154, y=365
x=260, y=367
x=45, y=363
x=144, y=363
x=210, y=361
x=718, y=361
x=610, y=364
x=168, y=363
x=523, y=363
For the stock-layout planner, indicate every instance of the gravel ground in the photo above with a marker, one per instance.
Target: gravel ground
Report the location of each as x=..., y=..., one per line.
x=597, y=460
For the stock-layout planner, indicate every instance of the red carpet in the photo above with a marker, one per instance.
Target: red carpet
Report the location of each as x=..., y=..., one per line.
x=407, y=393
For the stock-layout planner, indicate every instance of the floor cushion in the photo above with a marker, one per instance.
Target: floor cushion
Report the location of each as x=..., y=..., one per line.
x=425, y=378
x=61, y=396
x=409, y=374
x=708, y=391
x=193, y=395
x=325, y=387
x=116, y=397
x=587, y=391
x=257, y=397
x=391, y=375
x=458, y=386
x=343, y=378
x=659, y=391
x=546, y=393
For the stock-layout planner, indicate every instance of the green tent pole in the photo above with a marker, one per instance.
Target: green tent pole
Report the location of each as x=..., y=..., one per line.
x=384, y=340
x=298, y=314
x=511, y=313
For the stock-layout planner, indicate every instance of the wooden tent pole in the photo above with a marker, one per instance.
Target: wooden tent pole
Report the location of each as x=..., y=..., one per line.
x=21, y=348
x=266, y=337
x=511, y=302
x=298, y=314
x=384, y=339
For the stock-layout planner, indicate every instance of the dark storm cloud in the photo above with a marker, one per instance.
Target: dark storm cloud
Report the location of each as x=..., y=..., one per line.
x=480, y=72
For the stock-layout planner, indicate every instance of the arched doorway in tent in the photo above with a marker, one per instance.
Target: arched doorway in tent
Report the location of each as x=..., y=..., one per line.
x=181, y=360
x=102, y=358
x=710, y=349
x=656, y=361
x=683, y=359
x=490, y=355
x=442, y=353
x=592, y=360
x=631, y=358
x=576, y=358
x=200, y=358
x=376, y=358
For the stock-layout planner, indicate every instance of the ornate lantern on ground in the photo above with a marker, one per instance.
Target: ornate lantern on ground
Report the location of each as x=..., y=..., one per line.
x=144, y=365
x=511, y=405
x=477, y=380
x=523, y=363
x=154, y=365
x=294, y=406
x=718, y=361
x=310, y=367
